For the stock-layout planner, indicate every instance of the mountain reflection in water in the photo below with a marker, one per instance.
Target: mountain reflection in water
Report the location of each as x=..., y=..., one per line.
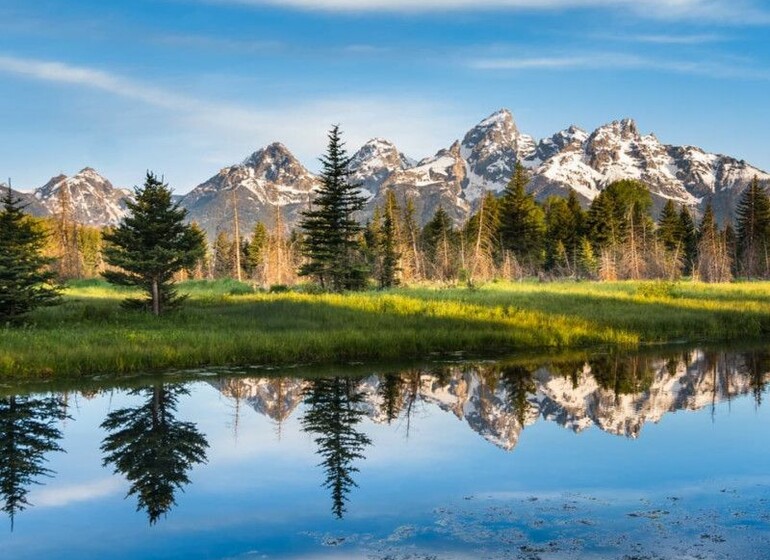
x=154, y=445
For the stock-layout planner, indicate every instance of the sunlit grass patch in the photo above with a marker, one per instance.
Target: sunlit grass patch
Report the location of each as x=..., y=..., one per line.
x=231, y=323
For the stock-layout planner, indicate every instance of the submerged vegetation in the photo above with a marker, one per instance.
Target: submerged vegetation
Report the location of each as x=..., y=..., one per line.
x=228, y=323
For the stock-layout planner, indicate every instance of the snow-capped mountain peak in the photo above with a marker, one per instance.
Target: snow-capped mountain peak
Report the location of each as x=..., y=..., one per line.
x=491, y=149
x=270, y=178
x=93, y=199
x=374, y=163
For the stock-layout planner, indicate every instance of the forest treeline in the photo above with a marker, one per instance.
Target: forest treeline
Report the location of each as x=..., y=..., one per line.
x=510, y=236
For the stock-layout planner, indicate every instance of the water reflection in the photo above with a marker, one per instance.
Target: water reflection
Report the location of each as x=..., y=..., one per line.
x=152, y=449
x=156, y=452
x=28, y=432
x=334, y=409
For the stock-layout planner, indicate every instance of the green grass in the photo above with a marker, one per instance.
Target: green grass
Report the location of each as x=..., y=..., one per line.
x=227, y=323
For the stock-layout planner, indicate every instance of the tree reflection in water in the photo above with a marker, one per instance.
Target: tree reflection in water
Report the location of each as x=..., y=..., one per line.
x=152, y=449
x=332, y=414
x=28, y=431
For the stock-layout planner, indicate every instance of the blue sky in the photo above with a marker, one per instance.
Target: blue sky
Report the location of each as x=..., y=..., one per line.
x=185, y=87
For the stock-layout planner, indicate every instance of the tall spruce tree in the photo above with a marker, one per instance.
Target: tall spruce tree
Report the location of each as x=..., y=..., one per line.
x=522, y=222
x=688, y=233
x=331, y=233
x=224, y=255
x=256, y=251
x=26, y=280
x=439, y=241
x=388, y=250
x=151, y=245
x=563, y=219
x=753, y=231
x=669, y=227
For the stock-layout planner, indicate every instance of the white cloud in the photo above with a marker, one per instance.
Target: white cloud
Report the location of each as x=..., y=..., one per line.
x=66, y=495
x=743, y=11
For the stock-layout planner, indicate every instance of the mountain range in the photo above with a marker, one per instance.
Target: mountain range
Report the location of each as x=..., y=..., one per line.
x=455, y=177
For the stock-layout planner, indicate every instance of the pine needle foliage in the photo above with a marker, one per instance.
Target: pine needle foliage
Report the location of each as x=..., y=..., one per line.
x=753, y=230
x=332, y=247
x=151, y=245
x=26, y=279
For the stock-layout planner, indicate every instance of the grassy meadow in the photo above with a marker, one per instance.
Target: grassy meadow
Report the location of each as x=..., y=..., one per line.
x=226, y=323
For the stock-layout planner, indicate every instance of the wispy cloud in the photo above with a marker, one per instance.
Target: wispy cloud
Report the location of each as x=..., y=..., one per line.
x=614, y=61
x=734, y=11
x=673, y=39
x=60, y=72
x=66, y=495
x=215, y=43
x=227, y=131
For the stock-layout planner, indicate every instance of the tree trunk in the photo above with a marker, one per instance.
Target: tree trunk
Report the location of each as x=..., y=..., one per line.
x=155, y=297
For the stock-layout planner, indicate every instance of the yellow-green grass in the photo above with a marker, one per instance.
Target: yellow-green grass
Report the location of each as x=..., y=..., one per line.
x=224, y=323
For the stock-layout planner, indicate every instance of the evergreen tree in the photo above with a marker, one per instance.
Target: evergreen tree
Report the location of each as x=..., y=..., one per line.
x=563, y=219
x=602, y=227
x=202, y=266
x=522, y=222
x=439, y=241
x=28, y=432
x=224, y=255
x=26, y=281
x=333, y=412
x=152, y=449
x=256, y=252
x=688, y=233
x=587, y=262
x=670, y=228
x=331, y=245
x=151, y=245
x=388, y=248
x=578, y=217
x=753, y=230
x=613, y=211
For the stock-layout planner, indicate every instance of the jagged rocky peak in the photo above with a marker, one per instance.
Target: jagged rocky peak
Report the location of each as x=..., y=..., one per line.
x=275, y=163
x=94, y=200
x=570, y=138
x=379, y=152
x=491, y=149
x=374, y=163
x=269, y=179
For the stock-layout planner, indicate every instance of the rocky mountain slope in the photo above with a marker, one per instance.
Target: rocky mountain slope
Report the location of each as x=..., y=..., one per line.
x=270, y=179
x=455, y=177
x=28, y=201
